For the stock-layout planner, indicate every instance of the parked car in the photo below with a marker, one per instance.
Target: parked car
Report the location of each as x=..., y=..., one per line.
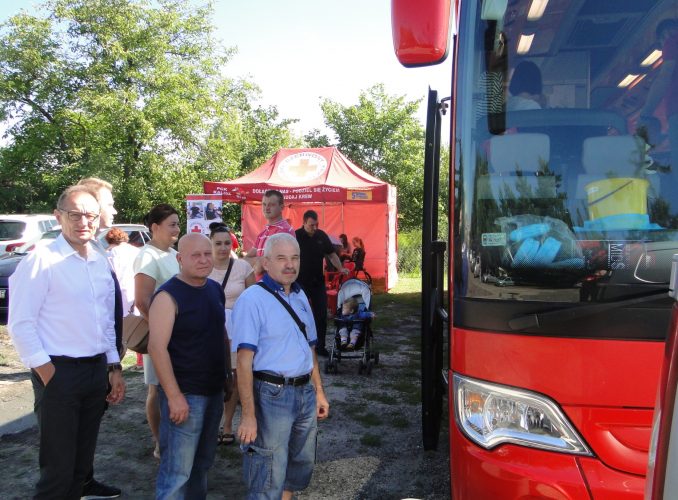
x=8, y=263
x=139, y=235
x=17, y=230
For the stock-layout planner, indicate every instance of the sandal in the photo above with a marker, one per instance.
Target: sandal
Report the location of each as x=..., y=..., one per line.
x=225, y=438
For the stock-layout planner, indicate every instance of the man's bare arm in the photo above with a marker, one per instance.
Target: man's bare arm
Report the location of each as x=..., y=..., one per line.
x=247, y=430
x=161, y=322
x=321, y=403
x=334, y=260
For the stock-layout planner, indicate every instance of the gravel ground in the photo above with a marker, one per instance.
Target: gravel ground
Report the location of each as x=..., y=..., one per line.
x=369, y=448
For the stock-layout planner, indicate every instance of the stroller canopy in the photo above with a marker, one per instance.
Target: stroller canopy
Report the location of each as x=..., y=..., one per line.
x=353, y=287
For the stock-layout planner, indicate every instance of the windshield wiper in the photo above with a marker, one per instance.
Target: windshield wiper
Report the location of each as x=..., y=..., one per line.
x=545, y=319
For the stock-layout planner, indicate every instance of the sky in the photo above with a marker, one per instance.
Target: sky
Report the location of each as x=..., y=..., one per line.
x=299, y=51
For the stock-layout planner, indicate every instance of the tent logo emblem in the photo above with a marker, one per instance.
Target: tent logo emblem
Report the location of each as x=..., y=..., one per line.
x=301, y=167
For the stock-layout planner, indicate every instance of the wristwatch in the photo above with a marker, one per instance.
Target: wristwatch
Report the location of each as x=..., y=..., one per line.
x=114, y=367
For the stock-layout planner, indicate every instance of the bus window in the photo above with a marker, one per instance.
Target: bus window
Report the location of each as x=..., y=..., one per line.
x=567, y=129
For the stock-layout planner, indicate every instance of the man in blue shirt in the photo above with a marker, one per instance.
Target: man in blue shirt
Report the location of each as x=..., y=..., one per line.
x=280, y=407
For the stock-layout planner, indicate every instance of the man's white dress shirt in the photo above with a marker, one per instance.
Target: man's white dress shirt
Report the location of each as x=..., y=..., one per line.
x=62, y=304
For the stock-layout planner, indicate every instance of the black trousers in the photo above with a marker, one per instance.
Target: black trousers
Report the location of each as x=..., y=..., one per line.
x=69, y=411
x=317, y=295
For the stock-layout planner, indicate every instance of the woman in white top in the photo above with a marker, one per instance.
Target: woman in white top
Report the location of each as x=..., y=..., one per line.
x=240, y=277
x=123, y=256
x=155, y=264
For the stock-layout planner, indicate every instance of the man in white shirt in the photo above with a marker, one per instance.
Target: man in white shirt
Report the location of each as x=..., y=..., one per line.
x=103, y=191
x=62, y=325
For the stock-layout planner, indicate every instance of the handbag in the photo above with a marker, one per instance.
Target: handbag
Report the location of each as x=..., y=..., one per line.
x=135, y=332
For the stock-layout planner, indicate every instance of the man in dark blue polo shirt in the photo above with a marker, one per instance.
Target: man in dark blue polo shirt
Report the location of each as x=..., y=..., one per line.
x=187, y=343
x=315, y=247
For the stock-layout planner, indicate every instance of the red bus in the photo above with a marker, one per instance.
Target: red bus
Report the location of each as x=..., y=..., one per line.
x=563, y=221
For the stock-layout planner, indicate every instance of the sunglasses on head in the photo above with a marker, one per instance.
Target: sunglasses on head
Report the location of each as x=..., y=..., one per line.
x=221, y=229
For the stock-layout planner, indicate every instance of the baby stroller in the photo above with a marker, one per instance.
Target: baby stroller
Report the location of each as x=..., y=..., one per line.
x=364, y=348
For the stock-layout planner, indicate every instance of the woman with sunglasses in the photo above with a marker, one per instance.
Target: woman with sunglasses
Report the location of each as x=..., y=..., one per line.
x=234, y=275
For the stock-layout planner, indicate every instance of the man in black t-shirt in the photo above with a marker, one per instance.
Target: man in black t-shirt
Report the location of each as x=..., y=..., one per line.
x=188, y=346
x=315, y=246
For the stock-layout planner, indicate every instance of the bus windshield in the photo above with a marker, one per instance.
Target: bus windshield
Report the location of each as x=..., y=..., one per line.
x=566, y=156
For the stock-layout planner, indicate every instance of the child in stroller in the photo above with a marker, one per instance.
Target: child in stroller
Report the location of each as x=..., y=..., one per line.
x=351, y=320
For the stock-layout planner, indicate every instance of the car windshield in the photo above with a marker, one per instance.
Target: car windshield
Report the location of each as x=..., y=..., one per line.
x=11, y=229
x=567, y=150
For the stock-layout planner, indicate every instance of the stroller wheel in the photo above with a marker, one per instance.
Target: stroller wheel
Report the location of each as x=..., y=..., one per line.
x=335, y=367
x=376, y=357
x=361, y=367
x=327, y=367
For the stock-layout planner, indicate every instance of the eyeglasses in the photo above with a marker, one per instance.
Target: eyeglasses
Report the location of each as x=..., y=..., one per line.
x=75, y=216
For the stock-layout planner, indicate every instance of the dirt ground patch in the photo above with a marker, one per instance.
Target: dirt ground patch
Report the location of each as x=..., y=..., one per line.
x=369, y=448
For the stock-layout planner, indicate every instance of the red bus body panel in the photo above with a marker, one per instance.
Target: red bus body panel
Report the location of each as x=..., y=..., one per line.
x=607, y=389
x=420, y=31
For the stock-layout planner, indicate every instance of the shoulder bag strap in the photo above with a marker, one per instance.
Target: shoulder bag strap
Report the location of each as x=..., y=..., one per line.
x=228, y=273
x=296, y=319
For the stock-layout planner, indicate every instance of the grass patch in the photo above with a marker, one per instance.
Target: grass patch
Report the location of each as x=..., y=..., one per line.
x=387, y=348
x=413, y=342
x=410, y=390
x=399, y=421
x=368, y=419
x=381, y=398
x=373, y=440
x=407, y=285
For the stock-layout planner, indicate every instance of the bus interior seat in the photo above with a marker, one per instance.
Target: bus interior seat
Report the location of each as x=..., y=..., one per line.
x=609, y=157
x=519, y=152
x=516, y=160
x=612, y=156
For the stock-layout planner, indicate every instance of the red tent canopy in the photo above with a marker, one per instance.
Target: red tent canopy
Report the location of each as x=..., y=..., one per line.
x=309, y=175
x=348, y=200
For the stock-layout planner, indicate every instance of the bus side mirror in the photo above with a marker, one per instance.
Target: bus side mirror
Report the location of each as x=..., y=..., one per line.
x=421, y=30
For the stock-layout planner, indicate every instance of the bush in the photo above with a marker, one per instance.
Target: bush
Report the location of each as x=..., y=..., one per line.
x=409, y=253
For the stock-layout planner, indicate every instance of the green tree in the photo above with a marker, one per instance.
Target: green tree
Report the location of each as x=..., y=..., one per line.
x=382, y=135
x=129, y=90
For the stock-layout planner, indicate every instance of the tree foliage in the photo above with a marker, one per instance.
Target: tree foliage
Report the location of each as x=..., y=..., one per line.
x=382, y=135
x=132, y=91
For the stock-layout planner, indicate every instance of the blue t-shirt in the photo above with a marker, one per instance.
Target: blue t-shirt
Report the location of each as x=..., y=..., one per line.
x=196, y=347
x=264, y=326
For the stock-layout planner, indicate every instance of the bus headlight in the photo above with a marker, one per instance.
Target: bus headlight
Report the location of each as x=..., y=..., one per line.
x=491, y=414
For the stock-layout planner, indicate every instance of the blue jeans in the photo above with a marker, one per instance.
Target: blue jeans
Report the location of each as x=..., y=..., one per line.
x=187, y=450
x=282, y=456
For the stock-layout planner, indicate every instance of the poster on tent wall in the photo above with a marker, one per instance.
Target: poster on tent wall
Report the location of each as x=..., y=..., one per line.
x=201, y=211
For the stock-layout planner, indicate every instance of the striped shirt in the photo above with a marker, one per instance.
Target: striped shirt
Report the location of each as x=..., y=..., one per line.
x=282, y=226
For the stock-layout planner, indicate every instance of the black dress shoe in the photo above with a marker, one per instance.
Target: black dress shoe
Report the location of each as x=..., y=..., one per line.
x=95, y=489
